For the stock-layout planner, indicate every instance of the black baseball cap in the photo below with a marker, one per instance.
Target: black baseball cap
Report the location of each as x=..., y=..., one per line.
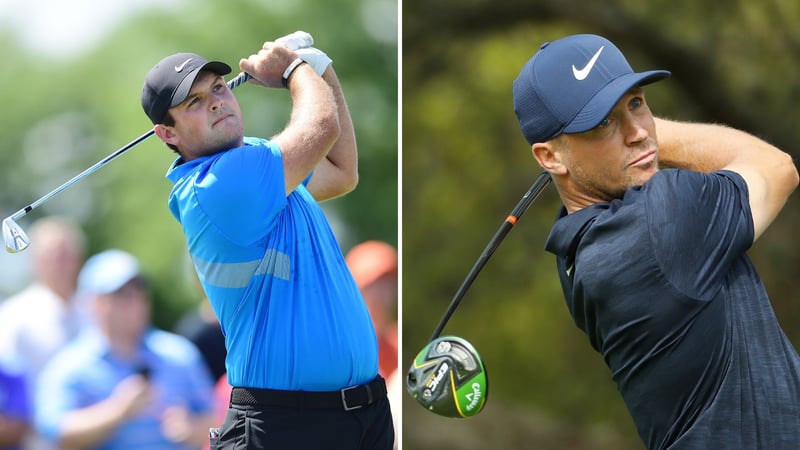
x=168, y=83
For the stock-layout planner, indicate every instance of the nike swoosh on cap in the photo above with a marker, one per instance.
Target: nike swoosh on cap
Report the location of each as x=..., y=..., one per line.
x=581, y=75
x=179, y=68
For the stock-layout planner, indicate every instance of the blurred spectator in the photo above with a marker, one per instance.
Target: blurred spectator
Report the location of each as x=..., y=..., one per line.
x=38, y=321
x=14, y=406
x=222, y=397
x=122, y=384
x=222, y=394
x=201, y=327
x=374, y=267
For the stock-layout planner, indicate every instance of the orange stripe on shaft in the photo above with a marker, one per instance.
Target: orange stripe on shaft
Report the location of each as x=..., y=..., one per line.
x=512, y=220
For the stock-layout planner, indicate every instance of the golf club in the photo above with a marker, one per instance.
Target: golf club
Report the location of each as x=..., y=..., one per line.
x=525, y=202
x=448, y=376
x=15, y=238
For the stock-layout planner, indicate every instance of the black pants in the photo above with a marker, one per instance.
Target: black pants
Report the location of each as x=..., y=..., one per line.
x=286, y=428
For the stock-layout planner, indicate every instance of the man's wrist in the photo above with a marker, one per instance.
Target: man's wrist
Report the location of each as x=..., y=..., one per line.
x=290, y=70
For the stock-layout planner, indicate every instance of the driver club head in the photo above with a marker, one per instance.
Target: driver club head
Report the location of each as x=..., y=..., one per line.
x=448, y=378
x=15, y=239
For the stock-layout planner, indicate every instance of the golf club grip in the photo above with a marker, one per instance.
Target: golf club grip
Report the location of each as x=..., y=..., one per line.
x=240, y=79
x=525, y=202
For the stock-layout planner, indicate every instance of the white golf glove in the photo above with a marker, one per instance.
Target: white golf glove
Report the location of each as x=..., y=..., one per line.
x=295, y=41
x=315, y=58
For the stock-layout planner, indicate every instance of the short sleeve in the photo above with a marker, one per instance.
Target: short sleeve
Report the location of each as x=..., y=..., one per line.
x=243, y=191
x=699, y=225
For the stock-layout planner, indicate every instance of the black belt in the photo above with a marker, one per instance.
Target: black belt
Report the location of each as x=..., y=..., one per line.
x=346, y=399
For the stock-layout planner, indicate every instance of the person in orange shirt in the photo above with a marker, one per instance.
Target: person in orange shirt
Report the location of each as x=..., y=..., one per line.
x=374, y=267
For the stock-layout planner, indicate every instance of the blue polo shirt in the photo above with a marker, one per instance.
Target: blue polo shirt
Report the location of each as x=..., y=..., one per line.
x=661, y=284
x=271, y=267
x=85, y=372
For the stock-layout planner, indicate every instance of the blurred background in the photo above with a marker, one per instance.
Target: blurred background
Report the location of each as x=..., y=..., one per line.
x=71, y=79
x=465, y=165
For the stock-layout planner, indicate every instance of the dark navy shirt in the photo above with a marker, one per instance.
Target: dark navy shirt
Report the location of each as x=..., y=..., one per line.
x=661, y=284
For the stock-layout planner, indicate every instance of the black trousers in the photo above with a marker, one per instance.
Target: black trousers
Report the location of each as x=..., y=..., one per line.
x=264, y=426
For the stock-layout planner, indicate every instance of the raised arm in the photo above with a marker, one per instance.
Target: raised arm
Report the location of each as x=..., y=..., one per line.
x=337, y=173
x=314, y=123
x=770, y=173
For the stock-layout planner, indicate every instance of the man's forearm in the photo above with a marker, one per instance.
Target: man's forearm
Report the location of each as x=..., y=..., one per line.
x=705, y=147
x=344, y=153
x=313, y=126
x=770, y=174
x=87, y=427
x=337, y=173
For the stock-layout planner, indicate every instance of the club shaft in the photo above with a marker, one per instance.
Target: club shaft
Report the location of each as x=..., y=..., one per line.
x=22, y=212
x=235, y=82
x=522, y=206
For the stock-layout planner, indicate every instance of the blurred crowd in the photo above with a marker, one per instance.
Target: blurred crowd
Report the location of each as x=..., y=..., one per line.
x=82, y=366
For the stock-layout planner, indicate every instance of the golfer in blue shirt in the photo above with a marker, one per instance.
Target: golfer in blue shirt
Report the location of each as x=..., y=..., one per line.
x=302, y=352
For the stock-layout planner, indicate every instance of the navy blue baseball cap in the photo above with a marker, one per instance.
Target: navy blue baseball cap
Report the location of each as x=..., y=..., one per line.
x=169, y=82
x=572, y=84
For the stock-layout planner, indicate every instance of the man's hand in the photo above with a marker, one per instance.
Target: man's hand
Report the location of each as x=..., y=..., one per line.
x=88, y=427
x=267, y=66
x=132, y=395
x=301, y=42
x=176, y=424
x=296, y=40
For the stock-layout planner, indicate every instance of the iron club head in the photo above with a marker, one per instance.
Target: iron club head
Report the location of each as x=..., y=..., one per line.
x=15, y=239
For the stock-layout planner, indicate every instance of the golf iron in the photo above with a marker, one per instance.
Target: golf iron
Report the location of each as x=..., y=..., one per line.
x=15, y=238
x=448, y=376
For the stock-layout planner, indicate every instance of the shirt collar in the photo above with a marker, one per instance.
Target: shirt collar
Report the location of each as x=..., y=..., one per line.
x=569, y=227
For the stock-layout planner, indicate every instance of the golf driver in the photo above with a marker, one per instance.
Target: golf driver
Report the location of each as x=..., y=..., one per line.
x=15, y=238
x=448, y=376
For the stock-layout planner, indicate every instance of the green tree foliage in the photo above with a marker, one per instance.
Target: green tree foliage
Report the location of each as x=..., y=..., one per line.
x=465, y=165
x=67, y=113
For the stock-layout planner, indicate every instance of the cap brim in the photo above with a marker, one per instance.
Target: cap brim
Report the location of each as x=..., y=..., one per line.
x=600, y=106
x=186, y=84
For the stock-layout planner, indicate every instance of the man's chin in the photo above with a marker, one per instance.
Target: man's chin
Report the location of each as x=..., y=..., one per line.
x=645, y=174
x=641, y=178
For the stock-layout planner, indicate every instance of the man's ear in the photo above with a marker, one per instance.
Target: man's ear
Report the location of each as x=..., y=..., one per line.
x=548, y=154
x=166, y=134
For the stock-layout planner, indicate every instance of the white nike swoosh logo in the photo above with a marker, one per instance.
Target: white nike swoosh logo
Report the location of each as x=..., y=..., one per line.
x=179, y=68
x=581, y=75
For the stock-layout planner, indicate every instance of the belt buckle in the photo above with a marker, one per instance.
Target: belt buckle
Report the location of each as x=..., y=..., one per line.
x=344, y=399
